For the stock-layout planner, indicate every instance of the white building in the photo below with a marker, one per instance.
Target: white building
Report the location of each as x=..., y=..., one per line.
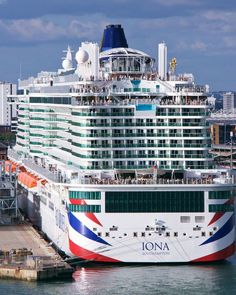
x=162, y=60
x=7, y=111
x=229, y=101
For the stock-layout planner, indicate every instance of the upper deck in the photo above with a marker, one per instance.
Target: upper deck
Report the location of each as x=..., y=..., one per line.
x=154, y=179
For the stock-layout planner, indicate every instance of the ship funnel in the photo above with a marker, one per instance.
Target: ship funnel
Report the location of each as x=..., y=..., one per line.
x=113, y=37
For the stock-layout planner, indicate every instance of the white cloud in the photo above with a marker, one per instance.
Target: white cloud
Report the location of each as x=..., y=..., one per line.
x=219, y=21
x=215, y=15
x=206, y=32
x=176, y=2
x=230, y=41
x=32, y=29
x=199, y=45
x=43, y=30
x=192, y=45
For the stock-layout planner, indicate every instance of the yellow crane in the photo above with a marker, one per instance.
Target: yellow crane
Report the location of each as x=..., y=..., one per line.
x=172, y=65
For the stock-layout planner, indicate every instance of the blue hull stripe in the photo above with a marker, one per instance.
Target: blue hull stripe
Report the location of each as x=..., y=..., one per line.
x=84, y=230
x=222, y=232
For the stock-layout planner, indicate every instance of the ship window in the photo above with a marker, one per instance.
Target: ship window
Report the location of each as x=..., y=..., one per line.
x=143, y=234
x=85, y=208
x=85, y=195
x=220, y=195
x=107, y=234
x=221, y=208
x=43, y=200
x=199, y=219
x=144, y=201
x=99, y=234
x=113, y=228
x=51, y=205
x=203, y=234
x=51, y=100
x=184, y=219
x=175, y=234
x=167, y=234
x=135, y=234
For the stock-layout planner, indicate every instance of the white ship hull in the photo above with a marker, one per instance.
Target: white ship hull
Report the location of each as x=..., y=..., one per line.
x=136, y=237
x=155, y=247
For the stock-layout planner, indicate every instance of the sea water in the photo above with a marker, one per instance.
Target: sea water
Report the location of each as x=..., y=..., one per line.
x=102, y=279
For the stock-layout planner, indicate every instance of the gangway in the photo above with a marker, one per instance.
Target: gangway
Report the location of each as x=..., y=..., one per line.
x=8, y=198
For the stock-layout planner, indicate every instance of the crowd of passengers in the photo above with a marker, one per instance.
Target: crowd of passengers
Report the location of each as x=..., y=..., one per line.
x=135, y=101
x=183, y=101
x=151, y=180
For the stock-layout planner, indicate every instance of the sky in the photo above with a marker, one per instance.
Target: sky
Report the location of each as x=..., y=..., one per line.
x=201, y=34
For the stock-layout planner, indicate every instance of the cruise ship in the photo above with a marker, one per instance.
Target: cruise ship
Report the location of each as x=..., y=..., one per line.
x=113, y=161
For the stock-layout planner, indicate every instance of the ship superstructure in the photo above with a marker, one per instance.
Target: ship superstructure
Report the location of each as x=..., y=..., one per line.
x=117, y=160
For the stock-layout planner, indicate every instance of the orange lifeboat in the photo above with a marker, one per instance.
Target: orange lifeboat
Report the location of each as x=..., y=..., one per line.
x=27, y=179
x=11, y=164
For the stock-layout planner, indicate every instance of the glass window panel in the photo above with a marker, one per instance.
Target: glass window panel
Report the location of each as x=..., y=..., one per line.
x=154, y=201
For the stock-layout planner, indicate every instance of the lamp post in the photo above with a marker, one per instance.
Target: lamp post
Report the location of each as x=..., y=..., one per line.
x=231, y=150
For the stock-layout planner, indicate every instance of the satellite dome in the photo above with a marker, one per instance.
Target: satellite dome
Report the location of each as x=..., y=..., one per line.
x=67, y=64
x=81, y=56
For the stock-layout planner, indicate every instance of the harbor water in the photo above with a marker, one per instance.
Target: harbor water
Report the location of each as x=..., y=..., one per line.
x=96, y=279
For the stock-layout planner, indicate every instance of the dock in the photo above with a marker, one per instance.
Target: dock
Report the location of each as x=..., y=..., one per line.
x=25, y=255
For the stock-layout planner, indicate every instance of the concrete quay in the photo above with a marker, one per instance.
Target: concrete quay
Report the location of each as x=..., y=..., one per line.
x=25, y=255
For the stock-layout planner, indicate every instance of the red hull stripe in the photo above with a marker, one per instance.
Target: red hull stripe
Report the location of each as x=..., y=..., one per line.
x=217, y=216
x=91, y=216
x=89, y=255
x=77, y=202
x=220, y=255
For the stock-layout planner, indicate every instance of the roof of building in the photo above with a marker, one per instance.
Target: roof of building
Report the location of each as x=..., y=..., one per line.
x=2, y=146
x=123, y=52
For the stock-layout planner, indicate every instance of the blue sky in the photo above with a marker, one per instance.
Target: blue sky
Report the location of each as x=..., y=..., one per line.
x=201, y=34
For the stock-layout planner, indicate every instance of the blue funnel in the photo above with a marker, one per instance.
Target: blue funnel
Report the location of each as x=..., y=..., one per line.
x=113, y=37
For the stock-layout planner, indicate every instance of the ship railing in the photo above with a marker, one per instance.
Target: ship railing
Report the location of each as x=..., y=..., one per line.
x=137, y=101
x=40, y=170
x=190, y=102
x=13, y=154
x=192, y=89
x=109, y=97
x=55, y=177
x=160, y=181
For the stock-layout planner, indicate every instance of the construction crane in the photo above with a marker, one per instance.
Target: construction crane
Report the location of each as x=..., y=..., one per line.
x=172, y=65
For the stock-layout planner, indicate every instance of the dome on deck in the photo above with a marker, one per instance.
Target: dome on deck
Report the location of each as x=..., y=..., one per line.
x=81, y=56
